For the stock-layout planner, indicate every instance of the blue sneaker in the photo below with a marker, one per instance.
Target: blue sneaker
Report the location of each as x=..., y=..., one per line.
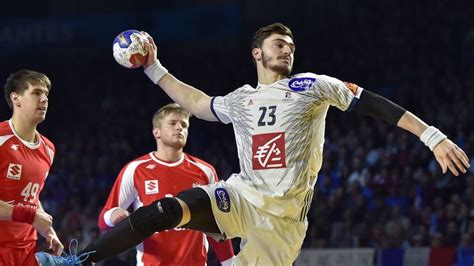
x=46, y=259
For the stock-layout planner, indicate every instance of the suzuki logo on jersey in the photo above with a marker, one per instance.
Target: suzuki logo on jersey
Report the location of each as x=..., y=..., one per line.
x=15, y=147
x=301, y=84
x=14, y=171
x=222, y=199
x=268, y=151
x=151, y=187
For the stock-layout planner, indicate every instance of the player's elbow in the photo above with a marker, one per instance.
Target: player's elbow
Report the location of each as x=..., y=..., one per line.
x=202, y=109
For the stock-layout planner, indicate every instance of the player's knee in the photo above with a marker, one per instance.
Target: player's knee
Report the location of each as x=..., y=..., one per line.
x=160, y=215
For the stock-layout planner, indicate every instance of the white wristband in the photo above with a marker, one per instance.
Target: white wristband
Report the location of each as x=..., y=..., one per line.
x=432, y=137
x=156, y=71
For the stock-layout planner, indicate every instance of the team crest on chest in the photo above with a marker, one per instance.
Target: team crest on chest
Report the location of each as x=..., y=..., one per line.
x=151, y=187
x=14, y=171
x=268, y=151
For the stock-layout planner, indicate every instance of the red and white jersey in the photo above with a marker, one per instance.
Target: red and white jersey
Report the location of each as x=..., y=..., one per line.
x=279, y=131
x=24, y=167
x=147, y=179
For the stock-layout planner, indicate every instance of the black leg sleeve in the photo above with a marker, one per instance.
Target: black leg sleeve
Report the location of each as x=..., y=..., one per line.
x=120, y=238
x=199, y=204
x=160, y=215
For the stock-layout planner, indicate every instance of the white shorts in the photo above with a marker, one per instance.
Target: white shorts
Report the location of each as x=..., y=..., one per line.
x=266, y=239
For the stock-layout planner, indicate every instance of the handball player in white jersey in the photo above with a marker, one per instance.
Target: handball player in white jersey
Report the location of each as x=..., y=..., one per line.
x=279, y=127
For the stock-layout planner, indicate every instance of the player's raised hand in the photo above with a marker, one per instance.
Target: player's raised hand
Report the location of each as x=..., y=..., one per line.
x=152, y=50
x=43, y=222
x=450, y=156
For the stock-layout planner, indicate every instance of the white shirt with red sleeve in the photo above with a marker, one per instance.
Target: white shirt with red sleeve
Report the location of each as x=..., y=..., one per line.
x=24, y=167
x=147, y=179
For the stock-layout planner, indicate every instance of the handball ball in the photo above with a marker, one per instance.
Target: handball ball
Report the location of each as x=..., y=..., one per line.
x=129, y=49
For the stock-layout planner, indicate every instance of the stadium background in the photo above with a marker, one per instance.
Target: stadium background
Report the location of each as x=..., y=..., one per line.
x=379, y=186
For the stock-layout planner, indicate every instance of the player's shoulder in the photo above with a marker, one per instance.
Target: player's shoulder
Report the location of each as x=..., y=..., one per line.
x=198, y=161
x=137, y=163
x=312, y=75
x=304, y=74
x=244, y=88
x=48, y=143
x=5, y=128
x=206, y=168
x=139, y=160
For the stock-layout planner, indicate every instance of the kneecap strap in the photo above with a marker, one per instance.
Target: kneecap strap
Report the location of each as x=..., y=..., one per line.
x=160, y=215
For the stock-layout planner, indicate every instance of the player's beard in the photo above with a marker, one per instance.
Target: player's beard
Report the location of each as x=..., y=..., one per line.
x=281, y=69
x=175, y=143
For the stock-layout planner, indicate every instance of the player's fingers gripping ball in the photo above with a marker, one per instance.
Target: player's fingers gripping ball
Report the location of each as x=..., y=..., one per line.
x=129, y=49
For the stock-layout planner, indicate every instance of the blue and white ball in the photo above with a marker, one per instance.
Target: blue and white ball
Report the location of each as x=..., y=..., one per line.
x=129, y=49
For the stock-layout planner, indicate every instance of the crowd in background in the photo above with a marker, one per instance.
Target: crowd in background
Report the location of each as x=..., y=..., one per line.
x=378, y=187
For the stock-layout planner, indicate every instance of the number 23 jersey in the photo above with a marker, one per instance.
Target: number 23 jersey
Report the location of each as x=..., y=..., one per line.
x=279, y=131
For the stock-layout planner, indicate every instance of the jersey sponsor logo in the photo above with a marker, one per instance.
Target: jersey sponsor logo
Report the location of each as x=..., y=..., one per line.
x=352, y=87
x=151, y=166
x=250, y=102
x=268, y=151
x=151, y=187
x=222, y=199
x=301, y=84
x=15, y=147
x=14, y=171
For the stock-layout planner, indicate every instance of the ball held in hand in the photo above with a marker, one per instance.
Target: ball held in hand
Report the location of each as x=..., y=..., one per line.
x=129, y=49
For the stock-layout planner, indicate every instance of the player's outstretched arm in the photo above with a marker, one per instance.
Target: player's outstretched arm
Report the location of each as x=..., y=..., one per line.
x=190, y=98
x=448, y=154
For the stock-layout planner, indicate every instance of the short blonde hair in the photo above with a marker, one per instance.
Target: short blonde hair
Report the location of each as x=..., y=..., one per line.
x=166, y=110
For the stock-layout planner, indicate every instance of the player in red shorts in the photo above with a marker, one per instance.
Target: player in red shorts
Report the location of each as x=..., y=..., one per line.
x=26, y=158
x=164, y=173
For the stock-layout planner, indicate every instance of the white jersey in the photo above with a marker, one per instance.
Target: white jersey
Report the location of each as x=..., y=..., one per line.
x=279, y=131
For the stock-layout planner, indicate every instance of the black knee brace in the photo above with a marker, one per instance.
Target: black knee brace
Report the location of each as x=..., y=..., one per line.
x=199, y=205
x=160, y=215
